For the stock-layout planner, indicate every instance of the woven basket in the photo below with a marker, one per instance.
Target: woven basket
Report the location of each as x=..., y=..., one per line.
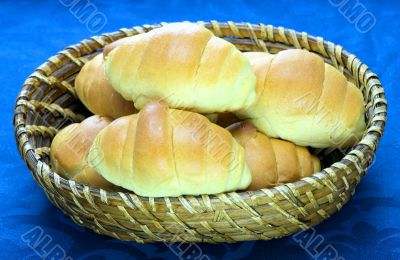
x=48, y=102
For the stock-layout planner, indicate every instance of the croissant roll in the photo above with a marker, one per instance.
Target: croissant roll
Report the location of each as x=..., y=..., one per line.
x=69, y=150
x=183, y=64
x=273, y=161
x=167, y=152
x=304, y=100
x=97, y=94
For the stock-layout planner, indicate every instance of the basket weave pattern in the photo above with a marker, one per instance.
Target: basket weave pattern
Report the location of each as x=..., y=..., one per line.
x=48, y=102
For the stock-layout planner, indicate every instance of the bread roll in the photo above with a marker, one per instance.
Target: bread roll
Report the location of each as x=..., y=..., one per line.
x=70, y=148
x=304, y=100
x=273, y=161
x=96, y=93
x=185, y=65
x=166, y=152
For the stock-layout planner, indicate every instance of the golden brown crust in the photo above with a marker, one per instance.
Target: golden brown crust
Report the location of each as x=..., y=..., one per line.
x=287, y=162
x=304, y=100
x=260, y=156
x=70, y=148
x=97, y=94
x=184, y=64
x=168, y=152
x=273, y=161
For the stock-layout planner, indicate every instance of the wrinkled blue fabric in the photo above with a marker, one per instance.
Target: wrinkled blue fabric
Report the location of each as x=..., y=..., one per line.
x=32, y=31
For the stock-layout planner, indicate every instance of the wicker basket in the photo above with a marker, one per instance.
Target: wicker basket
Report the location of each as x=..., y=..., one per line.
x=47, y=103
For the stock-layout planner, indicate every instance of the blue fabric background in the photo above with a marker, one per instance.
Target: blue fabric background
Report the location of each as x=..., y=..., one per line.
x=32, y=31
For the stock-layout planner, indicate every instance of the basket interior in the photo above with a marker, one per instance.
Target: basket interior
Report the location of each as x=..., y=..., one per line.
x=74, y=111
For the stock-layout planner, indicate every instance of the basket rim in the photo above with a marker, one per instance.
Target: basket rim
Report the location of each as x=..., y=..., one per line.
x=360, y=156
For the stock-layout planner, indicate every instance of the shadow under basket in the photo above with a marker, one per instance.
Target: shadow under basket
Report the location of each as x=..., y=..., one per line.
x=47, y=102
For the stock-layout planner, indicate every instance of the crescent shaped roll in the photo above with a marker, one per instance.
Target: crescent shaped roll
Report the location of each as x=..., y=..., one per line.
x=183, y=64
x=304, y=100
x=97, y=94
x=69, y=150
x=167, y=152
x=273, y=161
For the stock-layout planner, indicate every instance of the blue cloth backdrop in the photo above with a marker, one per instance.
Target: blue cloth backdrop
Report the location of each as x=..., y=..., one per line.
x=32, y=31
